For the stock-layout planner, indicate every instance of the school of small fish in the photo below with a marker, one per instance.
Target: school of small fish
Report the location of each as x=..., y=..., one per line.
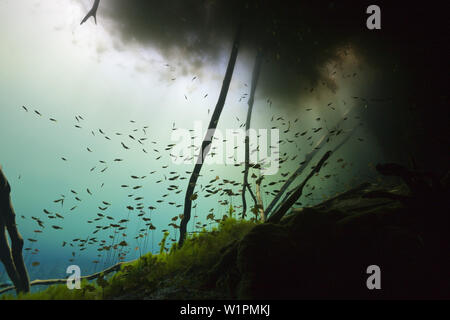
x=110, y=235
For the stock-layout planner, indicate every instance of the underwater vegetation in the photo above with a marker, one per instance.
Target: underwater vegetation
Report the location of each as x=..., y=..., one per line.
x=155, y=271
x=321, y=251
x=105, y=200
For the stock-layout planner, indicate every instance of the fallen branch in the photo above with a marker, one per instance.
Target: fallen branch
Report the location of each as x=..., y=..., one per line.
x=345, y=195
x=286, y=205
x=50, y=282
x=300, y=169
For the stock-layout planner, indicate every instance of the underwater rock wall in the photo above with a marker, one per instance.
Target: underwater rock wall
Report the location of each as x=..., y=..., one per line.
x=324, y=252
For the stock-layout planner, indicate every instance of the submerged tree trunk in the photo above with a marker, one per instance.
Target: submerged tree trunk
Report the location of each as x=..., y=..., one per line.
x=245, y=185
x=206, y=144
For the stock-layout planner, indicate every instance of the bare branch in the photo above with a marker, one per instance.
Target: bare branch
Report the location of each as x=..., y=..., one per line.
x=206, y=145
x=251, y=99
x=262, y=215
x=92, y=12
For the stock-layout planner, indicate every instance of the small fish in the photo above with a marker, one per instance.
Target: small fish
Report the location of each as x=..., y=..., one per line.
x=123, y=243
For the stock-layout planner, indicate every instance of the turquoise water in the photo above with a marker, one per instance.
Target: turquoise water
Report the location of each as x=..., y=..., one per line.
x=75, y=76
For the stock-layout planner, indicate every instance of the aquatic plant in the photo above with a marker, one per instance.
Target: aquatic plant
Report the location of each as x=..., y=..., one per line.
x=230, y=211
x=162, y=247
x=198, y=254
x=88, y=291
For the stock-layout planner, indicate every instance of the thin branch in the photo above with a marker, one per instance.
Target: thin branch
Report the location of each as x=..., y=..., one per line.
x=49, y=282
x=206, y=145
x=251, y=99
x=251, y=192
x=304, y=164
x=92, y=12
x=276, y=217
x=262, y=215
